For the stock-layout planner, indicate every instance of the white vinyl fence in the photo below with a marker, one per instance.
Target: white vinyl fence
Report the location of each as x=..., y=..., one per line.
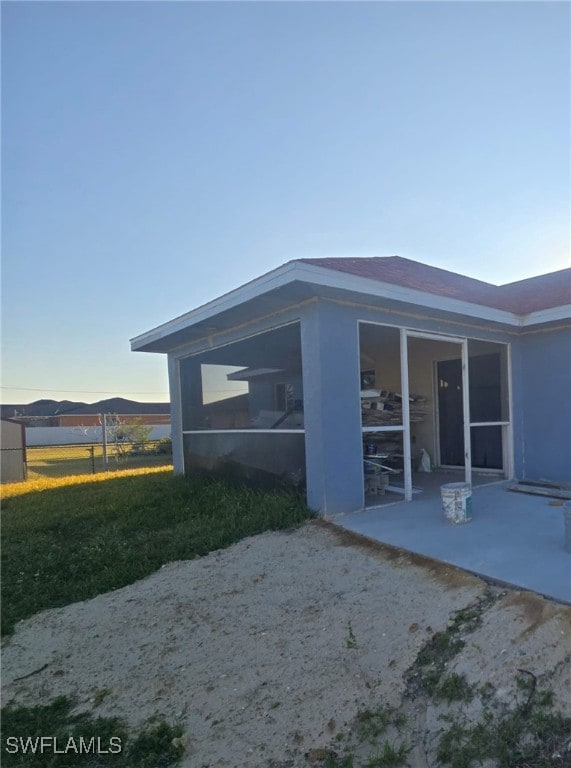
x=80, y=435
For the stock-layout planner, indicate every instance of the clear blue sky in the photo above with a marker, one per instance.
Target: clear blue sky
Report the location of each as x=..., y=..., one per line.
x=157, y=155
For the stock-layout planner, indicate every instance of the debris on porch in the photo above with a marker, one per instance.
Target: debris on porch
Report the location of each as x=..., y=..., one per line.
x=542, y=488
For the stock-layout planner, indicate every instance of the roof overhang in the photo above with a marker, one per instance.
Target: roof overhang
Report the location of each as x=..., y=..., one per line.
x=296, y=282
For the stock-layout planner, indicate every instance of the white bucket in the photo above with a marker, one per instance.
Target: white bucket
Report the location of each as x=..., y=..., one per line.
x=457, y=502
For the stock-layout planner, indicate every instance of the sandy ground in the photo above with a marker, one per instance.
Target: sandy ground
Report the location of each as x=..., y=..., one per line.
x=266, y=650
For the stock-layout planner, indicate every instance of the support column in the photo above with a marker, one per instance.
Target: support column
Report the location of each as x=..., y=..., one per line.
x=332, y=409
x=176, y=416
x=407, y=463
x=466, y=412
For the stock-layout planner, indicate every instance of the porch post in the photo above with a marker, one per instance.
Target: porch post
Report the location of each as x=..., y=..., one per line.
x=466, y=412
x=332, y=410
x=176, y=418
x=405, y=415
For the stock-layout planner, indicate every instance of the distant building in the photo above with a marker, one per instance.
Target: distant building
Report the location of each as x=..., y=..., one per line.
x=54, y=413
x=12, y=452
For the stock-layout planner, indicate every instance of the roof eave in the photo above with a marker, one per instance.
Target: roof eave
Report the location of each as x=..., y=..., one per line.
x=331, y=278
x=274, y=279
x=551, y=315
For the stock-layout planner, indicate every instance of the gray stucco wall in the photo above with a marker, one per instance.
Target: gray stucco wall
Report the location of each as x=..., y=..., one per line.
x=334, y=457
x=542, y=405
x=330, y=349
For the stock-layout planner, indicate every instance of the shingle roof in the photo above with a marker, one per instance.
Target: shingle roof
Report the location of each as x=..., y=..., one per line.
x=522, y=297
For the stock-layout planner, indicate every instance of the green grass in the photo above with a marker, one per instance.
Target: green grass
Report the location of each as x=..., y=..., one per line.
x=150, y=748
x=370, y=742
x=66, y=543
x=452, y=687
x=62, y=461
x=432, y=661
x=530, y=736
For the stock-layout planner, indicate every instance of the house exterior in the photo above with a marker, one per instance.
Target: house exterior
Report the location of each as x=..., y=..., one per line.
x=302, y=374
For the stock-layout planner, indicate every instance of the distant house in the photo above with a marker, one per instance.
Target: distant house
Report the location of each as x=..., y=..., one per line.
x=52, y=422
x=54, y=413
x=125, y=410
x=12, y=452
x=300, y=374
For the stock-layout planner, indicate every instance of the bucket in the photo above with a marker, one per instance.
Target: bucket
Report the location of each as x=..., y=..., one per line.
x=567, y=519
x=457, y=502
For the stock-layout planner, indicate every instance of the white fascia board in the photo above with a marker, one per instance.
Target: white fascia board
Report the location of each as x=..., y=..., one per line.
x=547, y=316
x=334, y=278
x=274, y=279
x=330, y=278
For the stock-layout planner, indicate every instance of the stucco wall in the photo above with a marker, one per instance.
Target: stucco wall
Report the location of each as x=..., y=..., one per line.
x=541, y=375
x=330, y=352
x=332, y=409
x=542, y=405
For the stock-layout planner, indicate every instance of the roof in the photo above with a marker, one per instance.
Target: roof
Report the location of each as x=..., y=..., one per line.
x=522, y=297
x=397, y=282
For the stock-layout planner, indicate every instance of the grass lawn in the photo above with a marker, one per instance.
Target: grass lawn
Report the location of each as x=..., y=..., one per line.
x=65, y=460
x=71, y=539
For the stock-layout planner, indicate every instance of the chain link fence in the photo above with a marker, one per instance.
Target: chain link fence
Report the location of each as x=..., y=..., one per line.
x=64, y=460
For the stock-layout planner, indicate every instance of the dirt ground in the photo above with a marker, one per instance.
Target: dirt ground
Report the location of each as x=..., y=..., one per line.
x=265, y=652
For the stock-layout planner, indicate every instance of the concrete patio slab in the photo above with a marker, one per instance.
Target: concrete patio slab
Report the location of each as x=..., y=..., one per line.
x=513, y=538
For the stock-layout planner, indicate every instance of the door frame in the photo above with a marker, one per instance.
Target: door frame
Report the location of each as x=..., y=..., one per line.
x=405, y=334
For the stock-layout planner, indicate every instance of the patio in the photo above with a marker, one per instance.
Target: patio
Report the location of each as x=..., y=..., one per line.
x=513, y=538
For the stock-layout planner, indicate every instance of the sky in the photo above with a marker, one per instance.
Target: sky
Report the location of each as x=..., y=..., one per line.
x=156, y=155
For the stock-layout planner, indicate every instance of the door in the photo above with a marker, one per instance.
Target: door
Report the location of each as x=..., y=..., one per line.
x=450, y=412
x=485, y=405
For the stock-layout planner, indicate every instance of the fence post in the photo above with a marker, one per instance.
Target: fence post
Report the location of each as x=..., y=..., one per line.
x=91, y=450
x=104, y=428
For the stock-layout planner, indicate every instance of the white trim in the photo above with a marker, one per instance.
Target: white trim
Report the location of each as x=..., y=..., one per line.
x=358, y=348
x=274, y=279
x=436, y=336
x=407, y=462
x=396, y=428
x=243, y=431
x=331, y=278
x=334, y=278
x=508, y=459
x=466, y=412
x=546, y=315
x=436, y=401
x=463, y=342
x=176, y=414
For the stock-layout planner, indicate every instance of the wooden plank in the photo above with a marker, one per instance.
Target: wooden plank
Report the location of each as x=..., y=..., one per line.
x=546, y=484
x=534, y=490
